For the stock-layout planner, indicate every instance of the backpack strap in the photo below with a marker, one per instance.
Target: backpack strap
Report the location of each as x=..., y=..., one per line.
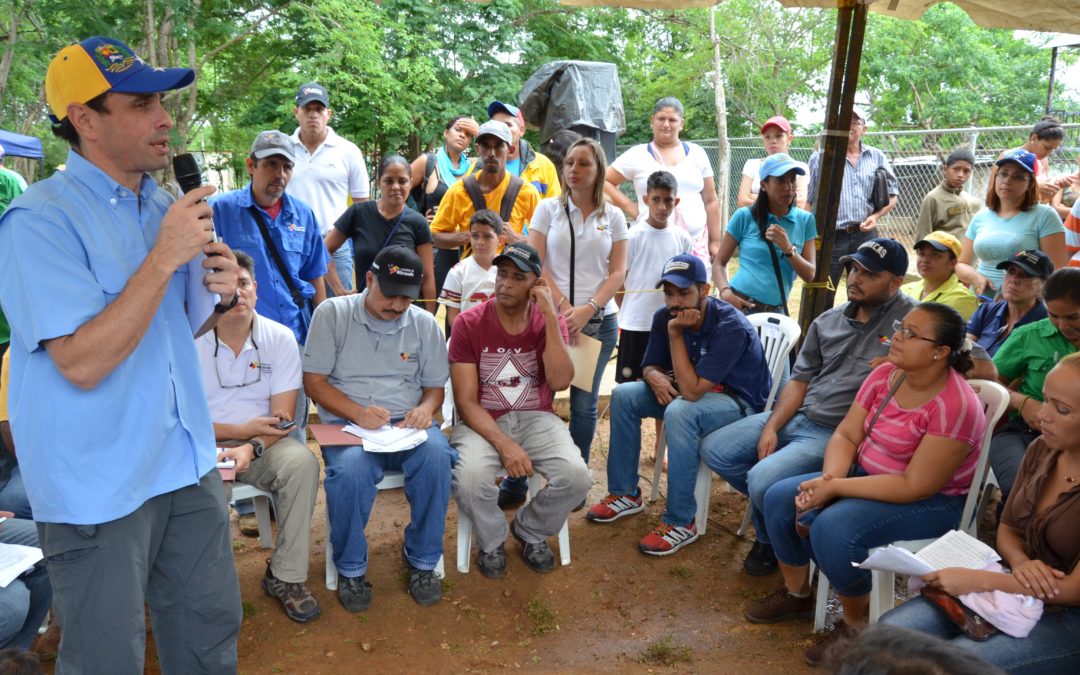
x=472, y=187
x=506, y=208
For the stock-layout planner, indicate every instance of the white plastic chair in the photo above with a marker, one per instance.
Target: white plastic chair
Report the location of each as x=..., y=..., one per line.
x=995, y=399
x=464, y=534
x=778, y=335
x=262, y=500
x=390, y=481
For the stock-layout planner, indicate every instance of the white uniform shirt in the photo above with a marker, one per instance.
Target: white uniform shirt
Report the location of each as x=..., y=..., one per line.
x=468, y=284
x=648, y=250
x=325, y=180
x=268, y=364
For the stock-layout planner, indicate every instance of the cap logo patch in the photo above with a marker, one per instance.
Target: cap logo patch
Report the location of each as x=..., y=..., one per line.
x=676, y=266
x=876, y=248
x=114, y=58
x=397, y=270
x=517, y=253
x=313, y=90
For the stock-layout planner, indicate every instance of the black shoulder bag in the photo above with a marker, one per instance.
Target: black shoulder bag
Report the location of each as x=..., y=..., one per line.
x=302, y=303
x=775, y=260
x=592, y=327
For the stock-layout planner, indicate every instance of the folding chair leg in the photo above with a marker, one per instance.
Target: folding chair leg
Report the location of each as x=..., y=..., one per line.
x=464, y=542
x=262, y=517
x=882, y=594
x=745, y=527
x=822, y=599
x=331, y=569
x=661, y=450
x=564, y=544
x=702, y=494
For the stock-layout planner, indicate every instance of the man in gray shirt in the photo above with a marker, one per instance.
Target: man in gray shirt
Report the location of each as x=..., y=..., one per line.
x=372, y=360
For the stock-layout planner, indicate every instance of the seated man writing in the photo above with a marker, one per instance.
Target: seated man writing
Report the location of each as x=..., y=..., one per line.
x=251, y=371
x=374, y=359
x=508, y=357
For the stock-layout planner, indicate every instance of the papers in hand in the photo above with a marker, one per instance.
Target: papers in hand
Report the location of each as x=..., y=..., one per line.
x=388, y=438
x=16, y=559
x=953, y=549
x=584, y=355
x=200, y=302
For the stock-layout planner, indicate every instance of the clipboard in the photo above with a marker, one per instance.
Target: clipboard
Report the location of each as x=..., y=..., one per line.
x=584, y=355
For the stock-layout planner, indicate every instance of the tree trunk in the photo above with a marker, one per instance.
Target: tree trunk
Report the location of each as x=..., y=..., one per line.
x=723, y=148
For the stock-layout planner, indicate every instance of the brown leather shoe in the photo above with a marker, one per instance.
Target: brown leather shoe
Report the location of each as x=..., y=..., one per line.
x=780, y=605
x=841, y=631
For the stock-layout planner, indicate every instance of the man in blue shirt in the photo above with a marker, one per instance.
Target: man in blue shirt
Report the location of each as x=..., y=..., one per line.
x=703, y=369
x=291, y=226
x=115, y=440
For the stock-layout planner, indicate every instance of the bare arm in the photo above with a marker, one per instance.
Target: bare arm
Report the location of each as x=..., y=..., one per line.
x=558, y=368
x=712, y=216
x=320, y=290
x=936, y=460
x=613, y=180
x=745, y=197
x=802, y=184
x=871, y=220
x=720, y=276
x=691, y=385
x=965, y=269
x=417, y=170
x=334, y=240
x=5, y=434
x=1053, y=245
x=427, y=284
x=320, y=390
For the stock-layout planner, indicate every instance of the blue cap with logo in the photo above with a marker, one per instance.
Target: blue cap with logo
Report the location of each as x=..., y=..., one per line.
x=779, y=165
x=1019, y=156
x=684, y=270
x=880, y=255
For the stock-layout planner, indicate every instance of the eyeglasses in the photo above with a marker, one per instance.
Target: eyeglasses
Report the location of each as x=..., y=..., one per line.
x=903, y=331
x=256, y=366
x=1006, y=176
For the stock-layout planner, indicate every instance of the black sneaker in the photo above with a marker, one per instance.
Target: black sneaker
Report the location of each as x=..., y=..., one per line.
x=760, y=561
x=537, y=556
x=424, y=586
x=300, y=605
x=492, y=565
x=354, y=593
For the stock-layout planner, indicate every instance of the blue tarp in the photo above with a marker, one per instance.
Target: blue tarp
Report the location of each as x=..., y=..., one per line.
x=17, y=145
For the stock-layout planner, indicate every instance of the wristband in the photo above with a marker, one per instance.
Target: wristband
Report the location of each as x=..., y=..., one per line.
x=721, y=291
x=1020, y=410
x=596, y=307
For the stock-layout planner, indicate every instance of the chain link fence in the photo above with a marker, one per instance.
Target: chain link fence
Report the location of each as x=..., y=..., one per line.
x=916, y=157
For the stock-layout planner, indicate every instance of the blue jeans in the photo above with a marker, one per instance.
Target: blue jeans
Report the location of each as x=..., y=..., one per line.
x=583, y=403
x=846, y=530
x=1052, y=647
x=685, y=424
x=732, y=453
x=12, y=492
x=351, y=477
x=343, y=261
x=25, y=601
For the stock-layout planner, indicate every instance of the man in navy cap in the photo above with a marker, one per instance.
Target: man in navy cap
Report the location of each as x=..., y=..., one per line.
x=116, y=444
x=703, y=369
x=522, y=160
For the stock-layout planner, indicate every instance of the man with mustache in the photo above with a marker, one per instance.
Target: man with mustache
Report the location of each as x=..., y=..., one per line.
x=375, y=359
x=277, y=230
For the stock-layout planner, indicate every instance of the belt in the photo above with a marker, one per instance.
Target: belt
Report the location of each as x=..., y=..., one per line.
x=850, y=228
x=760, y=306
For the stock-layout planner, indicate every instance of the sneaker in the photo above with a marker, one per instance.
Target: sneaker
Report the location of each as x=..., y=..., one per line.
x=354, y=593
x=300, y=605
x=614, y=507
x=666, y=539
x=760, y=561
x=424, y=586
x=780, y=605
x=249, y=524
x=817, y=653
x=537, y=556
x=492, y=565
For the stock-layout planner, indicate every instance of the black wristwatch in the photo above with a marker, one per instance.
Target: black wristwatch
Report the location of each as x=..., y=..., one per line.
x=222, y=307
x=790, y=252
x=258, y=447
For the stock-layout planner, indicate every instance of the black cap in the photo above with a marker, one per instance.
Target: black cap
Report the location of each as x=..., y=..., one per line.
x=312, y=91
x=400, y=271
x=880, y=255
x=522, y=255
x=1033, y=261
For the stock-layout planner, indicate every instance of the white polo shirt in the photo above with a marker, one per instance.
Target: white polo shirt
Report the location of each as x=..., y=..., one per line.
x=268, y=364
x=326, y=179
x=593, y=240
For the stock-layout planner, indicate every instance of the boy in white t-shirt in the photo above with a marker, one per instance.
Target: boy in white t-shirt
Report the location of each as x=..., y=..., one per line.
x=472, y=280
x=651, y=245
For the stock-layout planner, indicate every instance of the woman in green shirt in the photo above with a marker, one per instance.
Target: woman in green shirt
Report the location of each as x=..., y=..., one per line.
x=1023, y=363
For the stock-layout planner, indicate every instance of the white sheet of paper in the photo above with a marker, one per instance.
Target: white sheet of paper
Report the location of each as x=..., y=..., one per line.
x=958, y=549
x=584, y=355
x=16, y=559
x=897, y=560
x=387, y=438
x=200, y=302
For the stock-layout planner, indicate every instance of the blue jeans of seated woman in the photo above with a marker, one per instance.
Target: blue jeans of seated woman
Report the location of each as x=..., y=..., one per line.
x=1052, y=647
x=845, y=531
x=25, y=601
x=351, y=477
x=582, y=403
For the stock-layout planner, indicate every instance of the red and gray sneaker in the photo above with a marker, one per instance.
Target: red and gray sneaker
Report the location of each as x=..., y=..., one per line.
x=614, y=507
x=666, y=539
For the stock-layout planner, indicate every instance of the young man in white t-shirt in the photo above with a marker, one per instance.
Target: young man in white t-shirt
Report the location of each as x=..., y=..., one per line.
x=651, y=245
x=472, y=280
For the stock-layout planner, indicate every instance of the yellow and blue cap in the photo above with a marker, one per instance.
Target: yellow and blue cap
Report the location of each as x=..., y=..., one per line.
x=85, y=70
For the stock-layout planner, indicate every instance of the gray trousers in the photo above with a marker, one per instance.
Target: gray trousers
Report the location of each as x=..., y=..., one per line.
x=173, y=553
x=290, y=471
x=554, y=456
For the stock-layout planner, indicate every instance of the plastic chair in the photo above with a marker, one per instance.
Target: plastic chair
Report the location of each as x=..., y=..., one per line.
x=995, y=399
x=778, y=335
x=390, y=481
x=464, y=534
x=262, y=501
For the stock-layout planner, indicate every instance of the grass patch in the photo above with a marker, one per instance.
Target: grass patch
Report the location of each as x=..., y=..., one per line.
x=542, y=617
x=681, y=572
x=664, y=652
x=248, y=609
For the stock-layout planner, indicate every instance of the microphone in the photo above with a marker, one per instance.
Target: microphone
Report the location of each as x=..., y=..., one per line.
x=188, y=173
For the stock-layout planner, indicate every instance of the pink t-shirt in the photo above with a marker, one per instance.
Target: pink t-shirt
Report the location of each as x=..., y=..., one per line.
x=955, y=413
x=510, y=367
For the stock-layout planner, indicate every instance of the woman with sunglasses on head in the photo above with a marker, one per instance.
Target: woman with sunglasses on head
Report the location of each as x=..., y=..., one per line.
x=776, y=137
x=898, y=467
x=1038, y=540
x=1012, y=221
x=1021, y=300
x=1046, y=136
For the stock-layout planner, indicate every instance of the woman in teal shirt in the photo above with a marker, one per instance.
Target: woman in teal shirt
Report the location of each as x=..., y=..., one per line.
x=773, y=221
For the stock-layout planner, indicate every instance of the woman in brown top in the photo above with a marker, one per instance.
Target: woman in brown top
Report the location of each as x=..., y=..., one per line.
x=1038, y=539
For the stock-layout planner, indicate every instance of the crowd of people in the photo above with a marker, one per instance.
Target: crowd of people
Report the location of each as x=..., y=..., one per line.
x=874, y=436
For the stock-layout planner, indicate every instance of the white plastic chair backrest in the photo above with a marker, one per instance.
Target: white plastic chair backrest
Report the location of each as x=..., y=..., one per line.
x=778, y=334
x=995, y=398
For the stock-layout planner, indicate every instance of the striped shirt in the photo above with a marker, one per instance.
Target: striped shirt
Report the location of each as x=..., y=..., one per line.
x=858, y=185
x=1072, y=235
x=955, y=413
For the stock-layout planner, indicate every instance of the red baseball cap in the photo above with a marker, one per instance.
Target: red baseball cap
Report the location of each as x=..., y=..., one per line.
x=780, y=122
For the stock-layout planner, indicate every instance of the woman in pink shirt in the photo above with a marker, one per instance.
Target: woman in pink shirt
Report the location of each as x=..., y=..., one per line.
x=897, y=468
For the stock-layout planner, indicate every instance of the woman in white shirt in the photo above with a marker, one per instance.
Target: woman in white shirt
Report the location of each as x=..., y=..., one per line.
x=698, y=211
x=598, y=246
x=776, y=137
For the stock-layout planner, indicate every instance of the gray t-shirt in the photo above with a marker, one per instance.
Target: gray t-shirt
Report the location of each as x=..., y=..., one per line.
x=385, y=363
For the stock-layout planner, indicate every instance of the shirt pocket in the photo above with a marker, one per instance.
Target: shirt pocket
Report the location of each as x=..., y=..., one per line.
x=114, y=271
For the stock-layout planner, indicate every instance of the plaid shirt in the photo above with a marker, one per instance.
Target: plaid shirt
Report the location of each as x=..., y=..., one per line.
x=858, y=185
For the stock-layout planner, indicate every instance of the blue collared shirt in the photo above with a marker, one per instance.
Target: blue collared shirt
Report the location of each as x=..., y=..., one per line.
x=857, y=186
x=68, y=247
x=990, y=320
x=296, y=235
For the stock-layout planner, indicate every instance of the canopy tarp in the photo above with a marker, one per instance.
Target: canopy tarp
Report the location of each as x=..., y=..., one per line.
x=17, y=145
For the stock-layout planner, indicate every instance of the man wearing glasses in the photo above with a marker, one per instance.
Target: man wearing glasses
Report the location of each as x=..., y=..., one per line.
x=251, y=370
